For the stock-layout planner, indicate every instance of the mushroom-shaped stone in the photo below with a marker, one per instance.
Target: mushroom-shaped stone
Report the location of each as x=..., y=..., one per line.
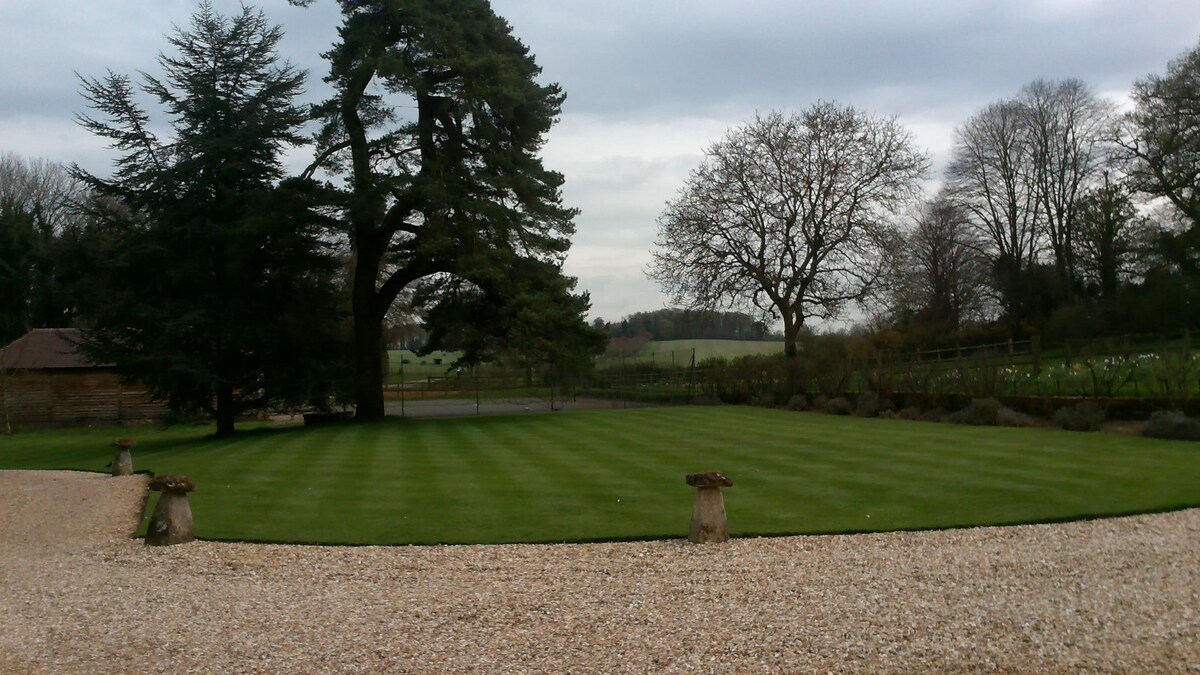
x=171, y=522
x=122, y=464
x=708, y=479
x=708, y=515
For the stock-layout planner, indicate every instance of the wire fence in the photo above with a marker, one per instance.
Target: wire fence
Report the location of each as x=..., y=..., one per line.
x=663, y=379
x=1163, y=369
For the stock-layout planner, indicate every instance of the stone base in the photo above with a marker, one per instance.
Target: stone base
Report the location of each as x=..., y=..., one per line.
x=708, y=517
x=171, y=522
x=122, y=464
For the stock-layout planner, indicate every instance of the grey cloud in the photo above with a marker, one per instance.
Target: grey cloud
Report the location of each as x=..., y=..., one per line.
x=643, y=68
x=621, y=59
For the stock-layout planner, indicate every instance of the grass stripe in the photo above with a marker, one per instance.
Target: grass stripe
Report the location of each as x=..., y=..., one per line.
x=618, y=474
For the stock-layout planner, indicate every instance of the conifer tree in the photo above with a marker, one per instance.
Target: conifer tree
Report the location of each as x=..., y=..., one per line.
x=203, y=268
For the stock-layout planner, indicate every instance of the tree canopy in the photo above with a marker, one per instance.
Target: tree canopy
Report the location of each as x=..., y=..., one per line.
x=788, y=215
x=436, y=124
x=35, y=213
x=201, y=267
x=1161, y=135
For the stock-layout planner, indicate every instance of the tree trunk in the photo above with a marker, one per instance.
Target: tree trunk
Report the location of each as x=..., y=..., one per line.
x=368, y=336
x=1065, y=280
x=790, y=330
x=1108, y=270
x=225, y=412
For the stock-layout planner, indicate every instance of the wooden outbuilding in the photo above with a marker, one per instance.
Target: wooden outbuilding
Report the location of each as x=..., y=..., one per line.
x=46, y=381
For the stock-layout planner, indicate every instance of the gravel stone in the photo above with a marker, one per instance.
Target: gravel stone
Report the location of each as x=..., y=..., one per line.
x=81, y=596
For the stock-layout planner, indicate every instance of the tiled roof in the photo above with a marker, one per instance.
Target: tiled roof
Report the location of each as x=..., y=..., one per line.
x=45, y=348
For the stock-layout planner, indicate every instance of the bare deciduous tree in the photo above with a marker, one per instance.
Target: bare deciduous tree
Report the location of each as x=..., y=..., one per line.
x=1160, y=137
x=787, y=215
x=1109, y=232
x=941, y=279
x=40, y=187
x=1067, y=126
x=989, y=175
x=35, y=209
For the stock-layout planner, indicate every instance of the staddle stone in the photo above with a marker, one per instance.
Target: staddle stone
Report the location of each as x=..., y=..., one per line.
x=709, y=524
x=708, y=479
x=122, y=464
x=171, y=522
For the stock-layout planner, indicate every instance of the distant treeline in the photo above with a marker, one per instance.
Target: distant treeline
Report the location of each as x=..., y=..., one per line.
x=682, y=324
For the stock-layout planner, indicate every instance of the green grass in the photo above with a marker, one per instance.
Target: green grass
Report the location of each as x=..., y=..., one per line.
x=706, y=349
x=419, y=367
x=609, y=475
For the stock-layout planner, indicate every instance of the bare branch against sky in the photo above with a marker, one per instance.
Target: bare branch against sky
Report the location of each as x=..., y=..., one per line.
x=650, y=84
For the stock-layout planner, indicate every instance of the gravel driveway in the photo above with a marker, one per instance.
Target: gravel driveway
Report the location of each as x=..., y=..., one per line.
x=78, y=595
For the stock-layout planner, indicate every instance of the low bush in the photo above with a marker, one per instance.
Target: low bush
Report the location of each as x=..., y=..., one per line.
x=1173, y=425
x=936, y=414
x=980, y=412
x=838, y=406
x=797, y=402
x=763, y=401
x=1085, y=416
x=1007, y=417
x=910, y=413
x=870, y=405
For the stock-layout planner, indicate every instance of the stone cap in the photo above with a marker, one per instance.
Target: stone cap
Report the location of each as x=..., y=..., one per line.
x=174, y=484
x=124, y=443
x=708, y=479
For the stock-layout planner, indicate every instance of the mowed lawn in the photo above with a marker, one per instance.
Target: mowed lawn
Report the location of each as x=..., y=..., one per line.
x=619, y=474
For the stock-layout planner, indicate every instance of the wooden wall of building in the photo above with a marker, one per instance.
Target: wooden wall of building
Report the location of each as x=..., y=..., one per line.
x=67, y=397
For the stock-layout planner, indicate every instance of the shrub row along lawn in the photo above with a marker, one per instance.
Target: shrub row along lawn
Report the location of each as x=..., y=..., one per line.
x=619, y=474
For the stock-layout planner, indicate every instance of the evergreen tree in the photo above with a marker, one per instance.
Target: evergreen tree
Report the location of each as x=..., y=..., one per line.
x=524, y=312
x=436, y=122
x=201, y=272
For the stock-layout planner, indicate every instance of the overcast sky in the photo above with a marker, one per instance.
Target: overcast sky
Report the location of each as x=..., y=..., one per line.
x=650, y=83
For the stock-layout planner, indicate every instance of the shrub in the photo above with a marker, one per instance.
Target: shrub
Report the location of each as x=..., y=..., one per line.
x=981, y=411
x=910, y=413
x=1085, y=416
x=820, y=402
x=1172, y=424
x=798, y=402
x=838, y=406
x=704, y=400
x=870, y=405
x=933, y=414
x=763, y=401
x=1007, y=417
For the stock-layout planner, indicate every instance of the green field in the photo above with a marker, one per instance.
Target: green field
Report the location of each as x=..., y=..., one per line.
x=660, y=352
x=611, y=475
x=434, y=364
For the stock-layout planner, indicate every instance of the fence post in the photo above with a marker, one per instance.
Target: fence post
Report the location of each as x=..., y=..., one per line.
x=692, y=377
x=1035, y=345
x=624, y=383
